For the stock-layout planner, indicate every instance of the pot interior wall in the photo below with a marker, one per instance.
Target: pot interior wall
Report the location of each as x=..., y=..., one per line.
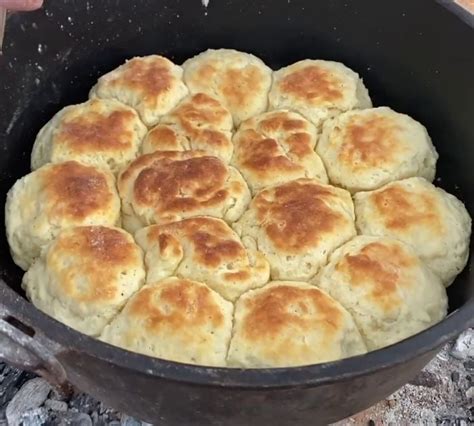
x=413, y=55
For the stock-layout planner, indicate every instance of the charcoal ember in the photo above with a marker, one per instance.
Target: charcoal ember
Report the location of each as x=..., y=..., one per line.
x=59, y=395
x=463, y=347
x=426, y=379
x=448, y=421
x=469, y=366
x=104, y=415
x=103, y=409
x=443, y=356
x=35, y=417
x=71, y=418
x=31, y=395
x=55, y=405
x=470, y=393
x=84, y=403
x=11, y=380
x=129, y=421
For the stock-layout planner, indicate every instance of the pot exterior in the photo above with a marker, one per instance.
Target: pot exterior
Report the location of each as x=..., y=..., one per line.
x=164, y=402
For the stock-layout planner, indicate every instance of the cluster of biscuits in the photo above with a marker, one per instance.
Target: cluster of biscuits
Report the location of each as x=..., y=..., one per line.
x=221, y=213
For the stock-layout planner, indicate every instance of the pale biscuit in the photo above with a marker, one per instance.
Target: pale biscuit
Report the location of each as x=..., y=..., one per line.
x=287, y=324
x=102, y=133
x=389, y=291
x=167, y=186
x=175, y=319
x=55, y=197
x=152, y=85
x=241, y=81
x=318, y=89
x=365, y=149
x=297, y=225
x=436, y=224
x=199, y=122
x=276, y=147
x=85, y=276
x=205, y=249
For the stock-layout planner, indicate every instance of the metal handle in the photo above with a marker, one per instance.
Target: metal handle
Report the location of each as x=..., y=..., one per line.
x=23, y=351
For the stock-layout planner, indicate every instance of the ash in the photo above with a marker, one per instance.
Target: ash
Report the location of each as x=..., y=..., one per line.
x=443, y=394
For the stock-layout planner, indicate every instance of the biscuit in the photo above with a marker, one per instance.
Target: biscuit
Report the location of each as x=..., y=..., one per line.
x=296, y=225
x=276, y=147
x=85, y=276
x=436, y=224
x=389, y=291
x=152, y=85
x=205, y=249
x=175, y=319
x=199, y=122
x=55, y=197
x=365, y=149
x=241, y=81
x=287, y=324
x=168, y=186
x=318, y=89
x=102, y=133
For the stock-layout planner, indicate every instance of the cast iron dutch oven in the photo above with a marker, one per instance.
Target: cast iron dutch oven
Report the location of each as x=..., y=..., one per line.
x=414, y=55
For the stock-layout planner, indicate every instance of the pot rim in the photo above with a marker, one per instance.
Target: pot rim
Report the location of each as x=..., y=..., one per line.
x=69, y=339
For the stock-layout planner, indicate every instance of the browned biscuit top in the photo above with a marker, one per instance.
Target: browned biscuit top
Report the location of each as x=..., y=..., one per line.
x=313, y=83
x=404, y=211
x=97, y=130
x=76, y=191
x=380, y=266
x=177, y=304
x=88, y=261
x=298, y=214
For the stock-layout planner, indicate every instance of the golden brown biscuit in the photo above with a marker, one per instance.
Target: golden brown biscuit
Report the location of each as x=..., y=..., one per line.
x=205, y=249
x=296, y=226
x=85, y=276
x=389, y=291
x=365, y=149
x=152, y=85
x=169, y=295
x=241, y=81
x=175, y=319
x=55, y=197
x=276, y=147
x=102, y=133
x=199, y=122
x=436, y=224
x=288, y=324
x=171, y=185
x=318, y=89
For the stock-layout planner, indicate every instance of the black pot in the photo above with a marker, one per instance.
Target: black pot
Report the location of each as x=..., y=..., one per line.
x=415, y=56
